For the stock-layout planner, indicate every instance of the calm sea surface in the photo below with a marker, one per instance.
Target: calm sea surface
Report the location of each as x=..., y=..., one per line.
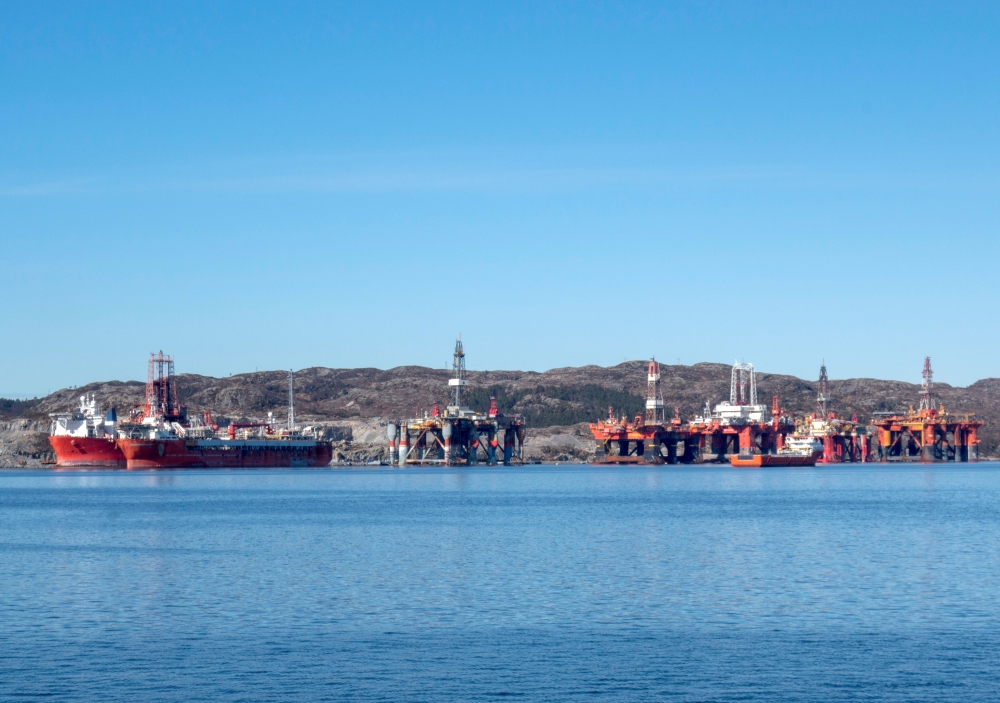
x=542, y=583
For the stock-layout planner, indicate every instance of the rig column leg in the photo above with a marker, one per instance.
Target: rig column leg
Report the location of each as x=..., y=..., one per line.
x=927, y=450
x=600, y=451
x=746, y=441
x=474, y=443
x=404, y=445
x=828, y=451
x=491, y=449
x=651, y=451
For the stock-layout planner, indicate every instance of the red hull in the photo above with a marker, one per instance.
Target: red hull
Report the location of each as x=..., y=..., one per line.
x=74, y=452
x=221, y=454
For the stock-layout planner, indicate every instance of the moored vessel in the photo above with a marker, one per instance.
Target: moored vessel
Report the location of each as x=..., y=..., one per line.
x=160, y=435
x=86, y=437
x=175, y=452
x=797, y=451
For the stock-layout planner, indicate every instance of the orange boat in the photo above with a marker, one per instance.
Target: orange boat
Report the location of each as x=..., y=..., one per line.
x=798, y=451
x=758, y=460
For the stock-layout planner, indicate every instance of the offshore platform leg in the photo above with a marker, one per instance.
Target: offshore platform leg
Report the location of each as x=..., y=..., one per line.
x=651, y=451
x=491, y=450
x=404, y=446
x=600, y=451
x=474, y=442
x=689, y=454
x=508, y=446
x=927, y=447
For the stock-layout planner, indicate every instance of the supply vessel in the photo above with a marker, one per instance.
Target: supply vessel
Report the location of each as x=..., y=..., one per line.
x=160, y=436
x=86, y=437
x=797, y=451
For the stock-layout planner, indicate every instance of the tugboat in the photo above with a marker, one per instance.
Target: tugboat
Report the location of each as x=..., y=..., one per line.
x=86, y=438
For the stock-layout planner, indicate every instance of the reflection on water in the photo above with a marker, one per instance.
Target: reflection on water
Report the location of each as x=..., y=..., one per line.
x=546, y=583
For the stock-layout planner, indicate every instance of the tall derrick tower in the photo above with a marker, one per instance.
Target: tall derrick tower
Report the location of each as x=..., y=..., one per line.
x=654, y=398
x=458, y=366
x=926, y=393
x=291, y=400
x=743, y=385
x=161, y=390
x=822, y=399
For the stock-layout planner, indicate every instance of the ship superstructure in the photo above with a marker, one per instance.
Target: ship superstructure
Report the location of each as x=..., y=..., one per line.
x=86, y=437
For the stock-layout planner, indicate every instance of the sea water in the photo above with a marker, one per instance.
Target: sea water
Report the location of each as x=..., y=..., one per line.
x=556, y=583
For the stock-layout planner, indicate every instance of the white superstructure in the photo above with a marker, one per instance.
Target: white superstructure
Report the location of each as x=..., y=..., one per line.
x=801, y=446
x=88, y=421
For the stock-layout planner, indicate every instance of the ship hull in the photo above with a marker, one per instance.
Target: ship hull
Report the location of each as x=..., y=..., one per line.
x=73, y=452
x=759, y=460
x=223, y=454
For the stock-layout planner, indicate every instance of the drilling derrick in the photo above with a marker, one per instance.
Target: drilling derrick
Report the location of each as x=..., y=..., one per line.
x=926, y=396
x=161, y=390
x=822, y=399
x=458, y=366
x=291, y=401
x=743, y=385
x=654, y=399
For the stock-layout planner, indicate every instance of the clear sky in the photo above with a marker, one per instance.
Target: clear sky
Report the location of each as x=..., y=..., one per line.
x=285, y=185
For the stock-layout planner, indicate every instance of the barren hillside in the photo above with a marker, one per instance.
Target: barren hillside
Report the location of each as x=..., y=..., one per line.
x=556, y=398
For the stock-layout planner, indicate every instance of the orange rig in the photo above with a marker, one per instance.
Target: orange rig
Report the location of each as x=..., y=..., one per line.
x=737, y=426
x=842, y=440
x=458, y=436
x=930, y=434
x=744, y=427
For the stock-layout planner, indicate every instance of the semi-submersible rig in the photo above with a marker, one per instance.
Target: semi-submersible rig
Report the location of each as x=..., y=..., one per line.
x=457, y=436
x=742, y=427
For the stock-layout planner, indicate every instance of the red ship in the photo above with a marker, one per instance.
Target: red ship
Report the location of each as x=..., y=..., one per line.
x=160, y=436
x=266, y=452
x=86, y=438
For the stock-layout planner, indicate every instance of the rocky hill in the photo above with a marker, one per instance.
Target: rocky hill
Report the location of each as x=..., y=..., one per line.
x=353, y=402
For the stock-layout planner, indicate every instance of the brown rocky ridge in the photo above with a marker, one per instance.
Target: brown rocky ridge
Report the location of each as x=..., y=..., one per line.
x=352, y=405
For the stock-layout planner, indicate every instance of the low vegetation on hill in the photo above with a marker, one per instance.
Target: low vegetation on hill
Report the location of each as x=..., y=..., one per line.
x=557, y=397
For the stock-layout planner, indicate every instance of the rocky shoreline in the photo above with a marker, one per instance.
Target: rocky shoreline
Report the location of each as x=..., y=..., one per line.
x=352, y=406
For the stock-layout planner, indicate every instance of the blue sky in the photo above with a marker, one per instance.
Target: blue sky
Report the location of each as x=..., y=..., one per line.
x=294, y=184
